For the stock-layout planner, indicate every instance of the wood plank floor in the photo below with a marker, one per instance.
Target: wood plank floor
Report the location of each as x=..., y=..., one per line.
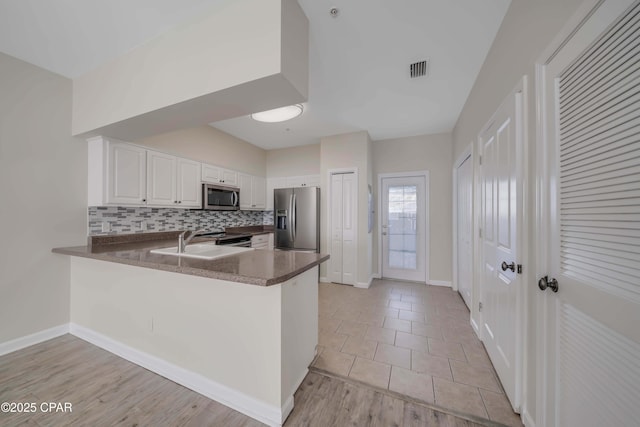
x=106, y=390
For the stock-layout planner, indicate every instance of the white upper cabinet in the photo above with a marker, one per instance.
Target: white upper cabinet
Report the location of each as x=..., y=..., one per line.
x=123, y=174
x=288, y=182
x=217, y=175
x=161, y=179
x=117, y=173
x=303, y=181
x=127, y=181
x=189, y=188
x=258, y=193
x=173, y=181
x=252, y=192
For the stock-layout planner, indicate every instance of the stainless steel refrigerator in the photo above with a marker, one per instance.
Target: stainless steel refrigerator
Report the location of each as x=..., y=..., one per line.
x=297, y=219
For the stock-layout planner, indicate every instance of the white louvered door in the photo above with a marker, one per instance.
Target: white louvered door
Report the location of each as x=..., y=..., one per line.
x=591, y=335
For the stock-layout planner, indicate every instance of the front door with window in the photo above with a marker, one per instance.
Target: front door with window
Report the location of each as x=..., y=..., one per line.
x=404, y=254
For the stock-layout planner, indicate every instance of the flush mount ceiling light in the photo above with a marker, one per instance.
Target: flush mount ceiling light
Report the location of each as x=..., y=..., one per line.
x=278, y=114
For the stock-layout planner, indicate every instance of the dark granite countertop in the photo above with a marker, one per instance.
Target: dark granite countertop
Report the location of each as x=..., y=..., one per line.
x=256, y=267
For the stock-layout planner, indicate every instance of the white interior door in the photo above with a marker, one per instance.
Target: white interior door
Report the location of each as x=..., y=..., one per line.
x=404, y=254
x=499, y=243
x=464, y=217
x=343, y=228
x=590, y=338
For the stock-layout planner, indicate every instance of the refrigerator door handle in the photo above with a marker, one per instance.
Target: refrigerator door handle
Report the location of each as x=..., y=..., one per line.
x=291, y=219
x=294, y=218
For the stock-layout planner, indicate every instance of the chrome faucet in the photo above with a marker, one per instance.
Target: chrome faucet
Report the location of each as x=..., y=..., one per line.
x=182, y=242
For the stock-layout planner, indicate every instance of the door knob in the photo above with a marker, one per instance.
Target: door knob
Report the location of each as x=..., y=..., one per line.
x=384, y=234
x=506, y=266
x=545, y=283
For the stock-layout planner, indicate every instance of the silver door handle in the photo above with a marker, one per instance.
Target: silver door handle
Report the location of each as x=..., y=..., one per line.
x=506, y=266
x=545, y=283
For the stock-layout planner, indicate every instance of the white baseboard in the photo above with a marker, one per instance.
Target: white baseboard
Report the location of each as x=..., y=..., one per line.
x=527, y=420
x=29, y=340
x=324, y=280
x=254, y=408
x=439, y=283
x=476, y=328
x=368, y=284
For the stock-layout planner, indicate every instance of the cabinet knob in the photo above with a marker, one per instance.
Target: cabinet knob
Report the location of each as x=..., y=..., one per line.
x=180, y=201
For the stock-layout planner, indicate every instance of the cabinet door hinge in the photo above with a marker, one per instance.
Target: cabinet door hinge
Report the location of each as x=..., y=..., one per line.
x=480, y=160
x=519, y=269
x=480, y=232
x=479, y=306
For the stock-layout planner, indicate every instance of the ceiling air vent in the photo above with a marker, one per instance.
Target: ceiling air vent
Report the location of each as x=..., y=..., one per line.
x=418, y=69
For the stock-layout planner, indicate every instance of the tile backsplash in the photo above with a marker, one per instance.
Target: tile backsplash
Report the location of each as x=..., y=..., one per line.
x=124, y=220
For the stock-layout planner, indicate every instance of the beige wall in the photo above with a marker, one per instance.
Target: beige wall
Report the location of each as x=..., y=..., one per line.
x=43, y=185
x=294, y=161
x=419, y=153
x=528, y=28
x=344, y=152
x=209, y=145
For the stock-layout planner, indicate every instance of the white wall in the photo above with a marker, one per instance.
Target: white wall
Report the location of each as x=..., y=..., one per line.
x=418, y=153
x=43, y=186
x=210, y=145
x=294, y=161
x=344, y=151
x=528, y=28
x=241, y=57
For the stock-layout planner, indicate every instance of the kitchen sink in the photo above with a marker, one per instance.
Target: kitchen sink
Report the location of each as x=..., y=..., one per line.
x=202, y=251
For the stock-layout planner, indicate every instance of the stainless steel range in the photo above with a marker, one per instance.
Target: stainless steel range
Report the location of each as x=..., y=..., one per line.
x=229, y=239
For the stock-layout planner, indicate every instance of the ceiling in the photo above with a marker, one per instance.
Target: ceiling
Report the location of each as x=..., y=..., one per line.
x=359, y=60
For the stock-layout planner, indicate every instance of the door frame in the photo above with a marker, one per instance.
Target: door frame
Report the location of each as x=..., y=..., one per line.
x=425, y=175
x=522, y=237
x=545, y=304
x=327, y=236
x=466, y=154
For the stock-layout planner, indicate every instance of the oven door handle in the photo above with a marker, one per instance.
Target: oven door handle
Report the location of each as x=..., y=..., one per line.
x=246, y=244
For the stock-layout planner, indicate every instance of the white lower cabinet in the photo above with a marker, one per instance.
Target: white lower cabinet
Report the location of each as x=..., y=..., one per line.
x=262, y=241
x=252, y=192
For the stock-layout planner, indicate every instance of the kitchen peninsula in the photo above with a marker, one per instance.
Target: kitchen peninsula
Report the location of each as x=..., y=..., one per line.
x=241, y=330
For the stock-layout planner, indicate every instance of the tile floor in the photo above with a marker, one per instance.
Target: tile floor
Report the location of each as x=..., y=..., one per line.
x=412, y=339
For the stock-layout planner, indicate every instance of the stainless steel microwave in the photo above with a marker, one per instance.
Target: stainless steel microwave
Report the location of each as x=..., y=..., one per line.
x=220, y=198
